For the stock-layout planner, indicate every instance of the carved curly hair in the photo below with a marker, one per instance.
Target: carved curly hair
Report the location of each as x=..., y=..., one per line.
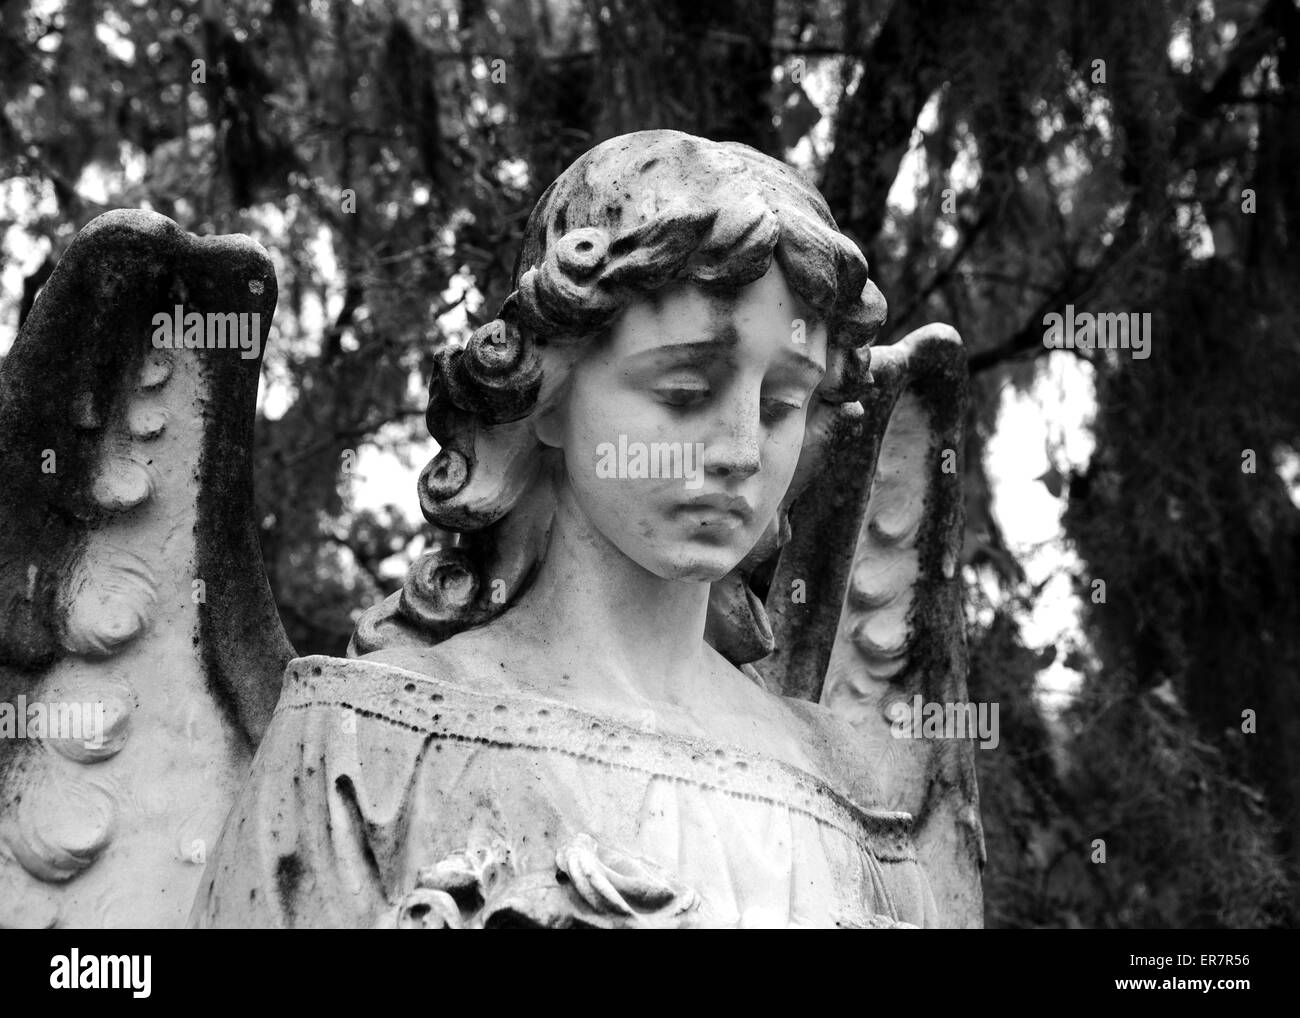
x=630, y=216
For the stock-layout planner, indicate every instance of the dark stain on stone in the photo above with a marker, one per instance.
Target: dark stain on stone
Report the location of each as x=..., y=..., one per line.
x=288, y=875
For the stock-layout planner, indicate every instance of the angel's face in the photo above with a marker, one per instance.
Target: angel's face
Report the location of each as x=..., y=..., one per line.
x=682, y=427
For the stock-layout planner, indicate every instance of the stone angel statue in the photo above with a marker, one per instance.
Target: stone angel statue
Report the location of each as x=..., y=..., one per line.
x=706, y=547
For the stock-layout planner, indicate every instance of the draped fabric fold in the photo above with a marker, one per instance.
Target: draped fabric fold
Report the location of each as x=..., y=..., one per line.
x=383, y=798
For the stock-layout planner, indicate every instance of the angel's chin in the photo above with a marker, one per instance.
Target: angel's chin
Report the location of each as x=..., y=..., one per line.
x=706, y=565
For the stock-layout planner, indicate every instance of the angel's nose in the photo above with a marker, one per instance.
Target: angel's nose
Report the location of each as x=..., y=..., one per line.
x=732, y=450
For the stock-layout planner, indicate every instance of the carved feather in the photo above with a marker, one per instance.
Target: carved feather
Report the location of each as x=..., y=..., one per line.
x=876, y=543
x=134, y=604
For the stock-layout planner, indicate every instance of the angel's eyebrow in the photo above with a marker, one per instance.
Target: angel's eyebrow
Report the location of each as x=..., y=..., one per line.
x=691, y=351
x=696, y=351
x=805, y=364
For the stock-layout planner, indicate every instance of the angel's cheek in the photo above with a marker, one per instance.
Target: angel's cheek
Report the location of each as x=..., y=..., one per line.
x=780, y=460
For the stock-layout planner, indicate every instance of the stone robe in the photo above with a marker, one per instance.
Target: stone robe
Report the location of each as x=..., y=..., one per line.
x=381, y=797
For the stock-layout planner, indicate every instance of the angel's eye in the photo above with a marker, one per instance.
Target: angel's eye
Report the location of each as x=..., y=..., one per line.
x=681, y=394
x=776, y=408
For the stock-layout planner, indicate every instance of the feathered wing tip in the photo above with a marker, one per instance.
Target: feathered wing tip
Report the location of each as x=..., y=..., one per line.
x=140, y=650
x=866, y=601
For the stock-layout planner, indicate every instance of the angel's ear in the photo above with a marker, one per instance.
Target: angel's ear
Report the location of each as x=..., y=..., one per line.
x=131, y=578
x=548, y=424
x=548, y=419
x=879, y=532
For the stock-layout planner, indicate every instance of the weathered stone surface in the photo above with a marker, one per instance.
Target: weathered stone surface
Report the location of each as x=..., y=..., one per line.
x=707, y=545
x=125, y=476
x=557, y=723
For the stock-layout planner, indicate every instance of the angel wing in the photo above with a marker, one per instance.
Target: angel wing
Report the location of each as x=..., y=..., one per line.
x=866, y=608
x=140, y=651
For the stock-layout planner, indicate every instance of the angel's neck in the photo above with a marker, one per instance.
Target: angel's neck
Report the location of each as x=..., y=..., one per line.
x=591, y=602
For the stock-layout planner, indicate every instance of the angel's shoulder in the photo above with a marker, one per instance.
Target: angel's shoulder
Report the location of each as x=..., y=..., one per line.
x=467, y=659
x=838, y=749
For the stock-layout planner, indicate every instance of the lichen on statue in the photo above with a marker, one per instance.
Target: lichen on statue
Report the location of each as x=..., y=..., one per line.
x=555, y=722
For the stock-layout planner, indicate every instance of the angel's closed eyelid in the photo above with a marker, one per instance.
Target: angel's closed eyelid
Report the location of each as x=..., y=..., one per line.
x=685, y=366
x=778, y=406
x=679, y=373
x=794, y=380
x=677, y=389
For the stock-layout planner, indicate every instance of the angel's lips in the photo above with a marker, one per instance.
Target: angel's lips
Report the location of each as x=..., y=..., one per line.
x=710, y=517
